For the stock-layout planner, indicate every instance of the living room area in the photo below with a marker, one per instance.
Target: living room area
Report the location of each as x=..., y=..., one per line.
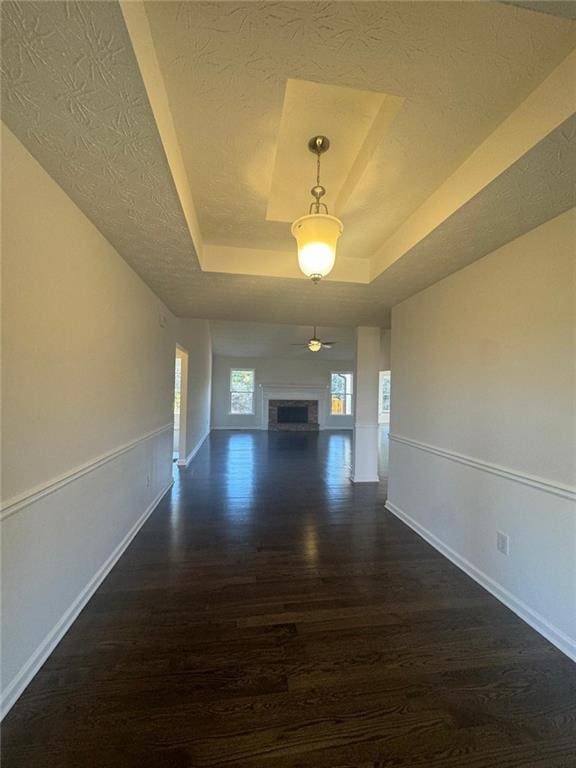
x=265, y=377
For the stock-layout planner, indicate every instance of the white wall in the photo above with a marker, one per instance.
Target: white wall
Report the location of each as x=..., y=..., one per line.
x=297, y=371
x=87, y=398
x=483, y=425
x=385, y=342
x=365, y=445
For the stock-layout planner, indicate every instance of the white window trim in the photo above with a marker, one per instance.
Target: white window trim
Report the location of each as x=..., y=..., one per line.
x=381, y=411
x=341, y=415
x=230, y=411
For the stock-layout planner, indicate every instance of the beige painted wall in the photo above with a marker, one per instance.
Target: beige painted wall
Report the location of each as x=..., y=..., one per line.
x=483, y=367
x=87, y=369
x=85, y=359
x=385, y=340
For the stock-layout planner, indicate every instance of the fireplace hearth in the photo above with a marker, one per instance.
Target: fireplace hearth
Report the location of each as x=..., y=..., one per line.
x=293, y=415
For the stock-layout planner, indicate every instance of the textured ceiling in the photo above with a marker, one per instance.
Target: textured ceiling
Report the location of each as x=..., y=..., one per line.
x=73, y=94
x=234, y=339
x=462, y=68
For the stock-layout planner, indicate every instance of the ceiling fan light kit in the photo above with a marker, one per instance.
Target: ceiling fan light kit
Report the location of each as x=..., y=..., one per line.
x=317, y=233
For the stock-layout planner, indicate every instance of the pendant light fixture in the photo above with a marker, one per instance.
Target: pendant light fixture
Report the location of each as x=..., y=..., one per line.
x=317, y=233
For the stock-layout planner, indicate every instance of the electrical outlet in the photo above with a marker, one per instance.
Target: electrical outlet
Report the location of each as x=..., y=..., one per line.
x=502, y=543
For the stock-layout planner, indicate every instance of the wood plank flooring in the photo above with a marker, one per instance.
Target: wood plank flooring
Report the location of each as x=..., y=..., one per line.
x=272, y=615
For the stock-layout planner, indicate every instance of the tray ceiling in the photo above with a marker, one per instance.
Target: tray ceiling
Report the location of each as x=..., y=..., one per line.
x=461, y=68
x=171, y=126
x=358, y=121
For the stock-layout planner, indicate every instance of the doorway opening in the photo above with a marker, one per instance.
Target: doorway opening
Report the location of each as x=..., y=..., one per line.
x=180, y=405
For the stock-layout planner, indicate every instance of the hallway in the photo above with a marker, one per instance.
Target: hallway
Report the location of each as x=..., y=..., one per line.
x=270, y=613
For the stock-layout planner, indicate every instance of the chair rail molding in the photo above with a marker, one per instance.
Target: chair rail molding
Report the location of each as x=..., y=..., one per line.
x=524, y=478
x=24, y=499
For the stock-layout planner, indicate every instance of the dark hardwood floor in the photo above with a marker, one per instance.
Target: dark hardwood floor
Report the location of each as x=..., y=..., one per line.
x=271, y=614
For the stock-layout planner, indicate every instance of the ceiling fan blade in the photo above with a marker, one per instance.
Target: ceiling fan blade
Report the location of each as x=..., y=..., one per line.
x=303, y=344
x=329, y=343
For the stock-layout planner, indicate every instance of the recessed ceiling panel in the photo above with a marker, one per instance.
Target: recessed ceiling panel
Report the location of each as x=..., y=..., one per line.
x=461, y=67
x=97, y=135
x=348, y=117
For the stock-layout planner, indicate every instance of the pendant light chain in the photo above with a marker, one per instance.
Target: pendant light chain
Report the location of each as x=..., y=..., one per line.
x=318, y=190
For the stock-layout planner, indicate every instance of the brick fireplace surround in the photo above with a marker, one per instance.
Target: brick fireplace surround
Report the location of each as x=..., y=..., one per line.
x=310, y=426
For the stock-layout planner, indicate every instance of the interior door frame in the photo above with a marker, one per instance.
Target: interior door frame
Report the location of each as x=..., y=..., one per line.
x=182, y=353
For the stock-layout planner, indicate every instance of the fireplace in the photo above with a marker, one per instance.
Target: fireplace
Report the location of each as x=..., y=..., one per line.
x=293, y=415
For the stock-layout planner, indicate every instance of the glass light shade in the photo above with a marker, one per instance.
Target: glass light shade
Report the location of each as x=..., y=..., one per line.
x=314, y=345
x=316, y=236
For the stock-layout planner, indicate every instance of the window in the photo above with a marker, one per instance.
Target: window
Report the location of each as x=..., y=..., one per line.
x=341, y=394
x=385, y=393
x=241, y=391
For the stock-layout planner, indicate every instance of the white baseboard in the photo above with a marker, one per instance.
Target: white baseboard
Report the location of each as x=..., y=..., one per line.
x=556, y=636
x=36, y=660
x=365, y=479
x=194, y=451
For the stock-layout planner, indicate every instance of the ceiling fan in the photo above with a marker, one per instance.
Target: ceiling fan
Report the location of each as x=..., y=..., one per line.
x=315, y=344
